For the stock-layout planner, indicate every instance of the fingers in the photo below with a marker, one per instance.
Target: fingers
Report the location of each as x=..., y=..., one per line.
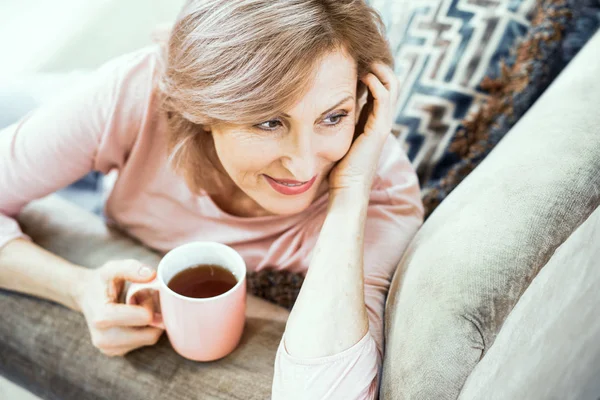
x=379, y=121
x=387, y=76
x=383, y=86
x=115, y=315
x=116, y=328
x=148, y=299
x=378, y=90
x=120, y=341
x=129, y=270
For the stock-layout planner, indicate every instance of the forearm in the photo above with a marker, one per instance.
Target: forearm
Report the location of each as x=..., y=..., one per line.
x=330, y=314
x=27, y=268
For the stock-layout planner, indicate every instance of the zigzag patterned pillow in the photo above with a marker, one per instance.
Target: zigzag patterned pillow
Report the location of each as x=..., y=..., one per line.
x=470, y=69
x=443, y=50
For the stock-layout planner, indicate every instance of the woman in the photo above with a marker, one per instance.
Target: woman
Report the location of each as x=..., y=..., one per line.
x=250, y=130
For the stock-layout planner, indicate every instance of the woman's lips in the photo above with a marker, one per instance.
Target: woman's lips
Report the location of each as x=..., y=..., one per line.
x=289, y=187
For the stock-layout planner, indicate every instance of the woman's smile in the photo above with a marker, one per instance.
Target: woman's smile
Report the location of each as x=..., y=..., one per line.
x=290, y=187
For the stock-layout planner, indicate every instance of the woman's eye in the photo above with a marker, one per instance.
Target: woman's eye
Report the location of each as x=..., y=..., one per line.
x=335, y=119
x=270, y=125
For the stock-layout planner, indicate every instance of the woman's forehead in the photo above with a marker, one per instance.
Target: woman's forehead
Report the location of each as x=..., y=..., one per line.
x=334, y=69
x=335, y=79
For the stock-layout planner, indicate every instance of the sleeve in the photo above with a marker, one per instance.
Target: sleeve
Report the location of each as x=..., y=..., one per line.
x=91, y=127
x=394, y=215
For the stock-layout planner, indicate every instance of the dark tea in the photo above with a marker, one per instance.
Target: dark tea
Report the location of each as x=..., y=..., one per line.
x=203, y=281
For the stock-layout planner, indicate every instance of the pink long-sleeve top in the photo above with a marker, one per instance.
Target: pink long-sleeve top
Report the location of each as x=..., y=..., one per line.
x=113, y=122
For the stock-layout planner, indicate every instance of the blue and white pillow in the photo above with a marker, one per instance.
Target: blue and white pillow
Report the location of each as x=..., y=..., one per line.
x=443, y=49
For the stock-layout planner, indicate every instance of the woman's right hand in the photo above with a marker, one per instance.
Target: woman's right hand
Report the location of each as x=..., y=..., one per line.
x=116, y=328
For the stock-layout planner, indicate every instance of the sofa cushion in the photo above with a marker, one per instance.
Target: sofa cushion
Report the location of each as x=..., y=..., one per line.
x=548, y=347
x=443, y=50
x=478, y=252
x=46, y=348
x=558, y=31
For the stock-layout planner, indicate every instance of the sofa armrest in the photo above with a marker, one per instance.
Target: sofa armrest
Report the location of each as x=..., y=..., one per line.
x=471, y=261
x=79, y=236
x=46, y=348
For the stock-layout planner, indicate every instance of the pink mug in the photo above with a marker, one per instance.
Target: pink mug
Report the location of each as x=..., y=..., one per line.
x=200, y=329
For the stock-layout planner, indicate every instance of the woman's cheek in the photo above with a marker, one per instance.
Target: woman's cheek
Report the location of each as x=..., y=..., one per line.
x=339, y=144
x=249, y=153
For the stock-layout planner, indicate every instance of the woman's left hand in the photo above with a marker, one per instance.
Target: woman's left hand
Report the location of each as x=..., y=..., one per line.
x=354, y=173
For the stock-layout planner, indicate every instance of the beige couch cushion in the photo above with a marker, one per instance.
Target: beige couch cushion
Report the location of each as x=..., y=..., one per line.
x=476, y=255
x=46, y=347
x=549, y=345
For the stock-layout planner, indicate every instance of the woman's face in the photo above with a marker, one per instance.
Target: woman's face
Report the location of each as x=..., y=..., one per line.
x=283, y=163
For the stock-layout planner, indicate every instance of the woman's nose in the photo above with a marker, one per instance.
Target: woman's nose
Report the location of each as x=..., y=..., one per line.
x=300, y=157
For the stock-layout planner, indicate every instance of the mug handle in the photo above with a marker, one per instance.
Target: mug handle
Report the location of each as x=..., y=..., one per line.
x=134, y=288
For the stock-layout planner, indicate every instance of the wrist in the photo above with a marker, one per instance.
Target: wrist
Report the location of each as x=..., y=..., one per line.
x=76, y=280
x=351, y=198
x=347, y=208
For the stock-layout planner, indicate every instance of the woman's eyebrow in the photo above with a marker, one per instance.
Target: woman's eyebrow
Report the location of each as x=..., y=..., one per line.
x=345, y=99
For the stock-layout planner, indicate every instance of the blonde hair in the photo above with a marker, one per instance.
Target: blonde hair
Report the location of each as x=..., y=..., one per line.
x=245, y=61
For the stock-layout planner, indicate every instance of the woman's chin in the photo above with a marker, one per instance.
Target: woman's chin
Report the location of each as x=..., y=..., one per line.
x=287, y=206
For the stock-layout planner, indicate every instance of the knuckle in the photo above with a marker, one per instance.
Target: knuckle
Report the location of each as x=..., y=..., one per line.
x=109, y=265
x=109, y=269
x=135, y=266
x=123, y=353
x=99, y=342
x=380, y=88
x=108, y=353
x=131, y=261
x=154, y=338
x=145, y=316
x=113, y=353
x=100, y=319
x=98, y=323
x=149, y=317
x=130, y=264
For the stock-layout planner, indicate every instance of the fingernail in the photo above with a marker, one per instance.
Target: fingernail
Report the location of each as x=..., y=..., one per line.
x=145, y=271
